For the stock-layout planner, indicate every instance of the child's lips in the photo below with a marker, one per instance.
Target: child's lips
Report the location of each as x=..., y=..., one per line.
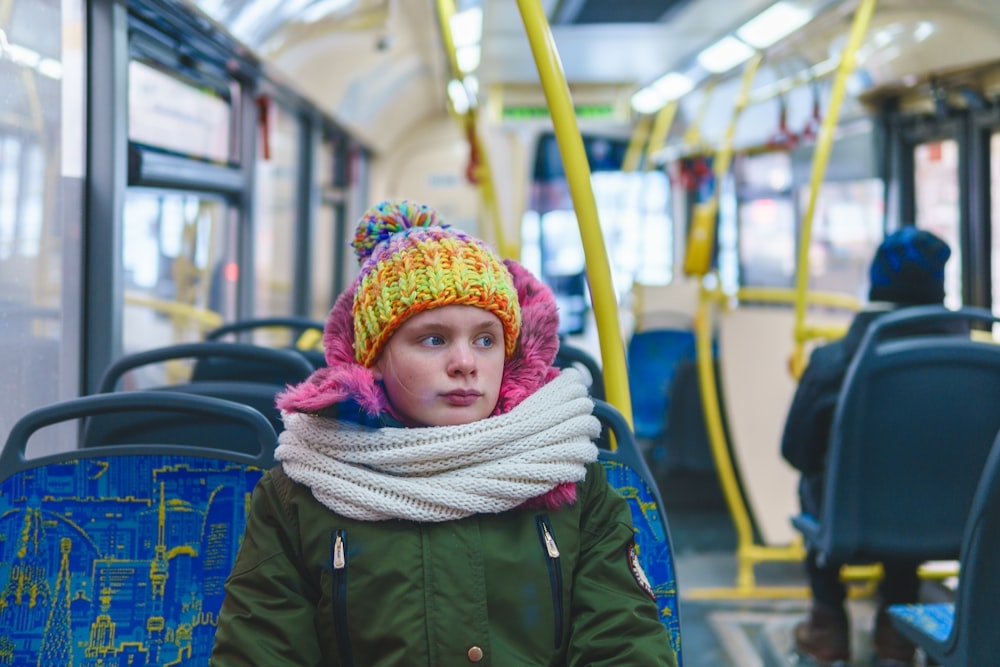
x=461, y=398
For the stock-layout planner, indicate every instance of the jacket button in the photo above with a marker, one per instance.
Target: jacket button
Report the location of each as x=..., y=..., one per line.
x=475, y=654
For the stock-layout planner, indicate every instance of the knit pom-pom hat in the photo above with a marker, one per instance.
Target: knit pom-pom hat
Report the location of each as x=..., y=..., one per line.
x=411, y=261
x=908, y=268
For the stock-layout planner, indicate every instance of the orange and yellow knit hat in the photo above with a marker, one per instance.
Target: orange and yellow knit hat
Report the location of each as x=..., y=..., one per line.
x=410, y=262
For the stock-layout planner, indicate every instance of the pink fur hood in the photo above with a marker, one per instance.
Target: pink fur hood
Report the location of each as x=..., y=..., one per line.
x=343, y=379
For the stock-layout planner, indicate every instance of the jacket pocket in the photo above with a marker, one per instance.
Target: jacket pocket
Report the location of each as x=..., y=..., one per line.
x=338, y=563
x=550, y=551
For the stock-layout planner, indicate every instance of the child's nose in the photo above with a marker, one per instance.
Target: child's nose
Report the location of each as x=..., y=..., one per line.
x=463, y=361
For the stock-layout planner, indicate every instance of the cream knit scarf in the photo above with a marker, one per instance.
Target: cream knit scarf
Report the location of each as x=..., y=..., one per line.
x=445, y=472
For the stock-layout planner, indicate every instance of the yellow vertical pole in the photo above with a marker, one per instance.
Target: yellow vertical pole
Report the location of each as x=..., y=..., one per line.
x=821, y=156
x=574, y=159
x=661, y=128
x=636, y=143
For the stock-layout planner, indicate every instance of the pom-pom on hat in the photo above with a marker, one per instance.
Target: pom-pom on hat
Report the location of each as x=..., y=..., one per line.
x=908, y=268
x=412, y=261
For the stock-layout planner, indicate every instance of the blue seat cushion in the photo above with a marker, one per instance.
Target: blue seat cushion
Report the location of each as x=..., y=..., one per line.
x=933, y=620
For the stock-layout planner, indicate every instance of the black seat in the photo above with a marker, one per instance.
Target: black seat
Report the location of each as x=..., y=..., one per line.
x=627, y=472
x=288, y=368
x=964, y=633
x=220, y=368
x=911, y=432
x=122, y=551
x=570, y=356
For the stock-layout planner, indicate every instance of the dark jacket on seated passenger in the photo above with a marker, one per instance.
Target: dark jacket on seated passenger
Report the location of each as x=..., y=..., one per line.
x=810, y=417
x=907, y=270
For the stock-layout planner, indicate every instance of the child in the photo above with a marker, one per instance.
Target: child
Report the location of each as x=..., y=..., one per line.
x=438, y=500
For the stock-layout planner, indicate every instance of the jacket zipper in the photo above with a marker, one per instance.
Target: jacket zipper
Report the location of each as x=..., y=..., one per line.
x=545, y=534
x=339, y=562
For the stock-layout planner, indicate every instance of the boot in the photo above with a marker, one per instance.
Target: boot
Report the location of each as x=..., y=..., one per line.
x=824, y=637
x=891, y=648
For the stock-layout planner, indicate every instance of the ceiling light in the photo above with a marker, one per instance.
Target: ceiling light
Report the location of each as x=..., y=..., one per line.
x=467, y=27
x=724, y=55
x=668, y=87
x=468, y=58
x=459, y=96
x=774, y=23
x=323, y=8
x=673, y=85
x=647, y=100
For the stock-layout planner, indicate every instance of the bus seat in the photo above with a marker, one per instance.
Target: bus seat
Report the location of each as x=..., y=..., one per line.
x=221, y=368
x=259, y=395
x=118, y=555
x=911, y=432
x=652, y=358
x=569, y=356
x=627, y=472
x=963, y=633
x=685, y=440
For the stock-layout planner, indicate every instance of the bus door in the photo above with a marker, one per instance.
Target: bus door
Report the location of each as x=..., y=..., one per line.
x=930, y=193
x=984, y=182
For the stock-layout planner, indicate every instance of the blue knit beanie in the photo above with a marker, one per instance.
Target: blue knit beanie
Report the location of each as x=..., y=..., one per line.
x=908, y=268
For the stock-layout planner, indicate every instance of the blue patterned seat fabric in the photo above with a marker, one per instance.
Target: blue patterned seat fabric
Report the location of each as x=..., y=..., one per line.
x=932, y=619
x=652, y=542
x=118, y=560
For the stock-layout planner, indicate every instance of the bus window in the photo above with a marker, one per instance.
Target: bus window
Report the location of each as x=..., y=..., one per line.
x=275, y=209
x=180, y=268
x=766, y=226
x=43, y=61
x=177, y=116
x=846, y=230
x=633, y=208
x=323, y=239
x=936, y=183
x=767, y=242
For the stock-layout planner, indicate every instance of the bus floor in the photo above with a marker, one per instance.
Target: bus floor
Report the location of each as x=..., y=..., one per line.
x=748, y=632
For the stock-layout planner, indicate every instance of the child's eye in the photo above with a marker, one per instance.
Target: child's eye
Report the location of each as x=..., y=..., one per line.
x=485, y=341
x=434, y=340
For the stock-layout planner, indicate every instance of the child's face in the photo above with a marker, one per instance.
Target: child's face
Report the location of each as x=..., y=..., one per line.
x=443, y=366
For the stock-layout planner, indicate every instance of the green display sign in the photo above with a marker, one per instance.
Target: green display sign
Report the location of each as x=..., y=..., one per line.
x=538, y=112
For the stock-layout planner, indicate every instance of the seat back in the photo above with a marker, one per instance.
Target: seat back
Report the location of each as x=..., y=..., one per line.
x=223, y=368
x=653, y=358
x=118, y=555
x=977, y=602
x=627, y=472
x=911, y=432
x=260, y=395
x=296, y=326
x=570, y=356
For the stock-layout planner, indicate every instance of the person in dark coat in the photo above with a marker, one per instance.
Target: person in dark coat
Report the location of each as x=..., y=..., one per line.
x=907, y=270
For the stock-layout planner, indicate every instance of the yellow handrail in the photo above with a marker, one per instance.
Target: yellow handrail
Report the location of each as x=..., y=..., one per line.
x=748, y=553
x=204, y=319
x=661, y=128
x=692, y=136
x=701, y=235
x=639, y=138
x=574, y=159
x=821, y=156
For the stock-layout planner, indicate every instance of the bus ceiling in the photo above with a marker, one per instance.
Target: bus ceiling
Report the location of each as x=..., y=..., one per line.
x=334, y=50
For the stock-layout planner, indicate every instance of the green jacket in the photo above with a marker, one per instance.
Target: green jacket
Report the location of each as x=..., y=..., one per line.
x=518, y=589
